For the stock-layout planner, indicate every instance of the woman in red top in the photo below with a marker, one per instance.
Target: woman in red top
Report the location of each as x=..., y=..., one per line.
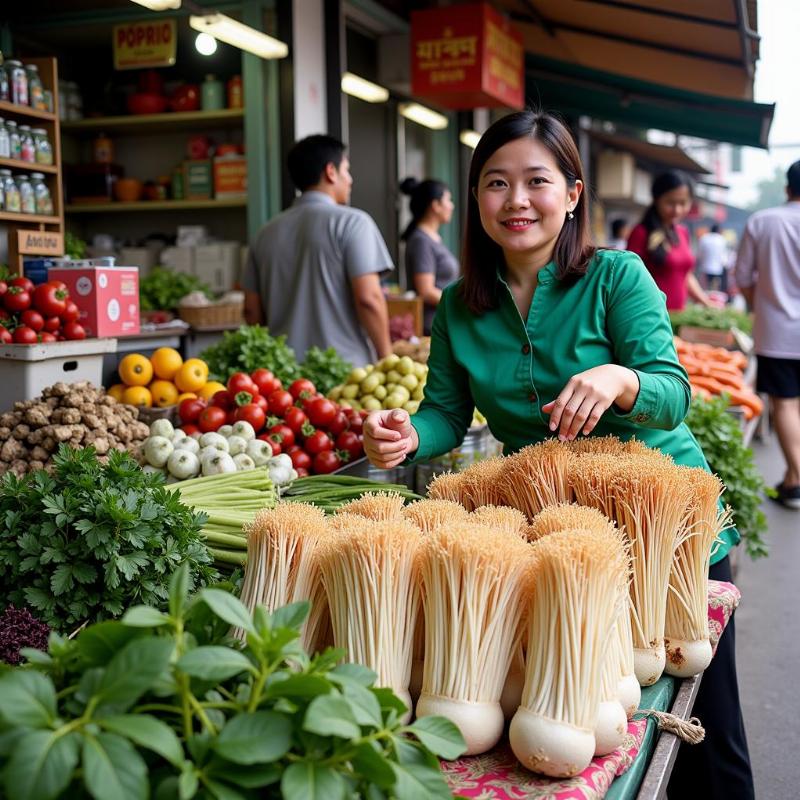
x=663, y=243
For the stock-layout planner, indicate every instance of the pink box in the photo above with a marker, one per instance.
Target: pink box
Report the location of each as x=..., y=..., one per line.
x=108, y=297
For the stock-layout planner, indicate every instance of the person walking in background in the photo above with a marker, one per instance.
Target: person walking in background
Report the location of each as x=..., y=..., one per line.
x=768, y=275
x=430, y=266
x=712, y=259
x=663, y=243
x=313, y=272
x=620, y=230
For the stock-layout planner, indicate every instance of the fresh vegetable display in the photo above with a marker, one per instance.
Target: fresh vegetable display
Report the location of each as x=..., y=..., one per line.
x=394, y=382
x=330, y=492
x=316, y=433
x=162, y=289
x=713, y=318
x=31, y=314
x=164, y=704
x=91, y=538
x=77, y=414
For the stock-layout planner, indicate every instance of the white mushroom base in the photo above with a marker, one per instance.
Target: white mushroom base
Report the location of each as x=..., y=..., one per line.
x=629, y=693
x=481, y=724
x=687, y=658
x=648, y=664
x=612, y=724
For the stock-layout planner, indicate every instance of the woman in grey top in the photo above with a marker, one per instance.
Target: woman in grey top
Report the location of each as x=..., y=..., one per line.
x=430, y=266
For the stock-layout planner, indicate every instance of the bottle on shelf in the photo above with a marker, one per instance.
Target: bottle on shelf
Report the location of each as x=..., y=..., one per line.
x=103, y=150
x=42, y=200
x=5, y=89
x=11, y=195
x=26, y=196
x=18, y=82
x=213, y=94
x=42, y=146
x=235, y=92
x=5, y=140
x=35, y=88
x=27, y=150
x=14, y=139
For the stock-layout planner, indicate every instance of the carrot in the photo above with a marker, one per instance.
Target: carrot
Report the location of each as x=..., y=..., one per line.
x=712, y=384
x=746, y=398
x=727, y=378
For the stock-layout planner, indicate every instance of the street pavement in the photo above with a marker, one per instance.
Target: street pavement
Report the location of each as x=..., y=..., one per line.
x=768, y=644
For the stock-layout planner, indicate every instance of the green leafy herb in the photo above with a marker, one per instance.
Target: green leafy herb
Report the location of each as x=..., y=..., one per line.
x=74, y=246
x=181, y=710
x=716, y=318
x=92, y=538
x=163, y=289
x=719, y=435
x=325, y=368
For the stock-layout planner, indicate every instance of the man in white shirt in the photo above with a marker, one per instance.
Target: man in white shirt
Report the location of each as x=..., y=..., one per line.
x=712, y=259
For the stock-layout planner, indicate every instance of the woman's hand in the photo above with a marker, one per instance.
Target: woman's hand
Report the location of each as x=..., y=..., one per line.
x=389, y=437
x=587, y=396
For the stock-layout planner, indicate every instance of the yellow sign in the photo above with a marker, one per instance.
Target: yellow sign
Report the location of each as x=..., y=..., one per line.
x=145, y=44
x=40, y=243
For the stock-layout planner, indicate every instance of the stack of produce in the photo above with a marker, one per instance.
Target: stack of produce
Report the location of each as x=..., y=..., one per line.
x=394, y=382
x=331, y=492
x=417, y=349
x=318, y=435
x=30, y=314
x=162, y=380
x=715, y=371
x=77, y=414
x=718, y=319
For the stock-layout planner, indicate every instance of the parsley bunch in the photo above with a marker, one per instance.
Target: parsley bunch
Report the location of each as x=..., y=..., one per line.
x=93, y=538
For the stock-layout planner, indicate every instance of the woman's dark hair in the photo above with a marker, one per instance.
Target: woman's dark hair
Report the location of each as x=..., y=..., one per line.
x=793, y=179
x=308, y=158
x=422, y=194
x=663, y=183
x=481, y=256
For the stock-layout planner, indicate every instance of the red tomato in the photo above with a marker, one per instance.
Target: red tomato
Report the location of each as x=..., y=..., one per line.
x=5, y=335
x=300, y=459
x=25, y=335
x=46, y=336
x=52, y=324
x=356, y=423
x=3, y=288
x=230, y=416
x=190, y=409
x=321, y=412
x=241, y=382
x=50, y=300
x=295, y=418
x=338, y=424
x=326, y=461
x=280, y=402
x=349, y=443
x=211, y=419
x=60, y=285
x=317, y=442
x=253, y=414
x=222, y=399
x=72, y=330
x=23, y=283
x=190, y=428
x=302, y=472
x=267, y=383
x=302, y=387
x=284, y=434
x=16, y=299
x=71, y=312
x=267, y=437
x=261, y=402
x=33, y=319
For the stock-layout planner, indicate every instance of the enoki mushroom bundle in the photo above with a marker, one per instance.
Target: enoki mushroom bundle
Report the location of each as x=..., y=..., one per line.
x=536, y=477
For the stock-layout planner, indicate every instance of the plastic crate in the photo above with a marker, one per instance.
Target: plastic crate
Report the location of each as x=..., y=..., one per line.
x=29, y=368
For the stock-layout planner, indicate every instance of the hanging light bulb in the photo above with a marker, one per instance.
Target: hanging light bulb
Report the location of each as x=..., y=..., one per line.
x=206, y=44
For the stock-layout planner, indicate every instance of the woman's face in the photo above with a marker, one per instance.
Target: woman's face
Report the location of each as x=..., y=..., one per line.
x=443, y=207
x=673, y=206
x=523, y=199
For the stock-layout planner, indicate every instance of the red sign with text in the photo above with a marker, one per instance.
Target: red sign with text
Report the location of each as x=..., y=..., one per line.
x=467, y=56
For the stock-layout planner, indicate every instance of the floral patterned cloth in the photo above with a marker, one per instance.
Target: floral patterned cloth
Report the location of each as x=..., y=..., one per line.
x=499, y=776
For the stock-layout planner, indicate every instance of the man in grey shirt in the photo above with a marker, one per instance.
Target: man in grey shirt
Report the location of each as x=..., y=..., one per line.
x=313, y=272
x=768, y=273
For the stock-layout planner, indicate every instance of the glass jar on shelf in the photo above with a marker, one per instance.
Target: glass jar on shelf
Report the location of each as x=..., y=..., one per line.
x=14, y=140
x=10, y=192
x=42, y=146
x=41, y=194
x=5, y=89
x=5, y=140
x=27, y=200
x=27, y=151
x=35, y=88
x=18, y=82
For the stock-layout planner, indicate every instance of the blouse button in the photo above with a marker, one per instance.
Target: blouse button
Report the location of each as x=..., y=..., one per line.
x=526, y=348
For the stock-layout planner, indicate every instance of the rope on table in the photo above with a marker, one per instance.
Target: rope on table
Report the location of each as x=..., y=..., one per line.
x=690, y=731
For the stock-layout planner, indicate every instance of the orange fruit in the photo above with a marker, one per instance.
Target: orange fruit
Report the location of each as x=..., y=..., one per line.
x=210, y=389
x=116, y=391
x=137, y=396
x=166, y=362
x=192, y=375
x=135, y=370
x=186, y=396
x=164, y=393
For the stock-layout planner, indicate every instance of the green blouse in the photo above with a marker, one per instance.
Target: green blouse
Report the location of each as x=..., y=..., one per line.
x=509, y=367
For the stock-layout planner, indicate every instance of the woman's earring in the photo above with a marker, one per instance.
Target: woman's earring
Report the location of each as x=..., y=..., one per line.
x=570, y=215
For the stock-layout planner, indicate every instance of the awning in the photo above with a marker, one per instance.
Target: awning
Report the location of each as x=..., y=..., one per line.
x=649, y=154
x=574, y=90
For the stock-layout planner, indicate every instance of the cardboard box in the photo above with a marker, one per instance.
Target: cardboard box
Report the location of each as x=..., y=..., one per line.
x=108, y=297
x=230, y=177
x=217, y=264
x=198, y=181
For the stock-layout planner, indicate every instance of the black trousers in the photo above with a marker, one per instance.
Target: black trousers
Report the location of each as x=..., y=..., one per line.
x=719, y=767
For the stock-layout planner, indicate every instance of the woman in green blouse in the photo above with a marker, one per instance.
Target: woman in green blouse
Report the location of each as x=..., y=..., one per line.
x=549, y=336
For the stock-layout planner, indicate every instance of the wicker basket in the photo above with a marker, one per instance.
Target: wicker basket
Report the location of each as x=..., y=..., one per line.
x=214, y=316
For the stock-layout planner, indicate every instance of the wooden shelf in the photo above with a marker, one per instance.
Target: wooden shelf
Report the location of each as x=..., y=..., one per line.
x=157, y=123
x=14, y=163
x=155, y=205
x=26, y=111
x=10, y=216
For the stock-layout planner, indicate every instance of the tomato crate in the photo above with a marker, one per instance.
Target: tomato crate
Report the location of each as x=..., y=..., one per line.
x=29, y=368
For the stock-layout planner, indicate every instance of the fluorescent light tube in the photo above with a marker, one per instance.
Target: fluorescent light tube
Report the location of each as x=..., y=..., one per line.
x=159, y=5
x=363, y=89
x=423, y=115
x=242, y=36
x=469, y=138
